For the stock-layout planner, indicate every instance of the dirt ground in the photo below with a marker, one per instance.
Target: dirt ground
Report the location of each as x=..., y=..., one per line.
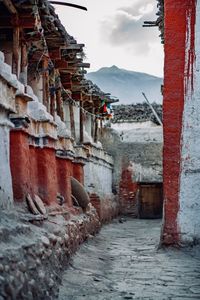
x=124, y=262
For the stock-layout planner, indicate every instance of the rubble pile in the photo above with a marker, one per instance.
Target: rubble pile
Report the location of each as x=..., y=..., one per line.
x=140, y=112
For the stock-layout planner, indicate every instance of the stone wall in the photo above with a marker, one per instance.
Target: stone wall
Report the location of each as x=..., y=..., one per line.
x=181, y=123
x=7, y=105
x=98, y=183
x=35, y=252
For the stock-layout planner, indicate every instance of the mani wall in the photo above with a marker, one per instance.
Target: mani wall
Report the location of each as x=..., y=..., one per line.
x=39, y=154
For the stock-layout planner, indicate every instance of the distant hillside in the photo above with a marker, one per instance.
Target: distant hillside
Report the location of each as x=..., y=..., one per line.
x=128, y=85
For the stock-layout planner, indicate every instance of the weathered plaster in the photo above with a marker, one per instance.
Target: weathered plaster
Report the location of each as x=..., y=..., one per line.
x=188, y=217
x=98, y=173
x=140, y=132
x=7, y=105
x=6, y=194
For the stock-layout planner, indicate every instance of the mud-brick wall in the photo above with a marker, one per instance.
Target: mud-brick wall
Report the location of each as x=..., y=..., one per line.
x=134, y=162
x=98, y=174
x=182, y=122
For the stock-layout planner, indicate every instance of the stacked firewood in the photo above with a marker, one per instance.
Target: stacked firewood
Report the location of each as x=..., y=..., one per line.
x=140, y=112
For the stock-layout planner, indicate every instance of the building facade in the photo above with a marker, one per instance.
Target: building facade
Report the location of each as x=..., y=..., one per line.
x=50, y=114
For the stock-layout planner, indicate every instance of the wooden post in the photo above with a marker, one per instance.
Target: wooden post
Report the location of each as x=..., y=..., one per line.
x=46, y=85
x=81, y=121
x=96, y=130
x=92, y=123
x=15, y=66
x=72, y=122
x=53, y=104
x=24, y=64
x=59, y=104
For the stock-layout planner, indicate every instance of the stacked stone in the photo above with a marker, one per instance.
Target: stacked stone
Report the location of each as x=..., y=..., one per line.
x=136, y=113
x=32, y=260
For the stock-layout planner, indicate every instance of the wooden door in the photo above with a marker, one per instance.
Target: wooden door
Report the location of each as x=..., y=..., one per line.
x=150, y=201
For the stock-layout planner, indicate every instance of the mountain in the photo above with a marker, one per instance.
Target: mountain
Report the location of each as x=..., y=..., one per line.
x=127, y=85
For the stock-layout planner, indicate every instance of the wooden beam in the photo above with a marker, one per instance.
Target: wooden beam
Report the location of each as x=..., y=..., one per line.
x=83, y=65
x=9, y=5
x=75, y=46
x=69, y=4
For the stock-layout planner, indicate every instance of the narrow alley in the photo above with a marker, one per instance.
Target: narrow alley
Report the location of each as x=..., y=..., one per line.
x=124, y=262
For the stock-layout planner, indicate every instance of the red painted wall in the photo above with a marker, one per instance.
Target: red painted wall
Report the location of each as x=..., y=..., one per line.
x=64, y=172
x=47, y=177
x=20, y=165
x=173, y=106
x=38, y=171
x=127, y=192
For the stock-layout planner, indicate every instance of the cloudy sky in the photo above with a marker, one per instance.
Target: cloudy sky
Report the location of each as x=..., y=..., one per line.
x=113, y=34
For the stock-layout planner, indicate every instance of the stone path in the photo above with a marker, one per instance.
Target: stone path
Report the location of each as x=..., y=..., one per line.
x=123, y=262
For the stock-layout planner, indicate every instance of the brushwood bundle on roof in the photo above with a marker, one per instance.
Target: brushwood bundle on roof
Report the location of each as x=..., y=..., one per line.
x=140, y=112
x=159, y=21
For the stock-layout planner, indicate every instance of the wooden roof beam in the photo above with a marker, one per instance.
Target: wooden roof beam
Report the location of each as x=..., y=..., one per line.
x=9, y=5
x=83, y=65
x=75, y=46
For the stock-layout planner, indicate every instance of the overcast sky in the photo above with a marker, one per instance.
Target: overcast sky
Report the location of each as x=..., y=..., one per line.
x=113, y=34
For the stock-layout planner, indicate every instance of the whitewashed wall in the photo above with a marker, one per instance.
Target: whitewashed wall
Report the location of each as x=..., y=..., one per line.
x=8, y=87
x=6, y=194
x=98, y=174
x=189, y=200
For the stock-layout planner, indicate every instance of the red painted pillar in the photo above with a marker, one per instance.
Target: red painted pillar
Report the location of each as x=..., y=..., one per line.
x=47, y=175
x=78, y=172
x=20, y=164
x=64, y=172
x=174, y=75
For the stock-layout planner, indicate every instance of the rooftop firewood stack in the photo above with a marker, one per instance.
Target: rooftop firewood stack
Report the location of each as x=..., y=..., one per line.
x=46, y=57
x=160, y=20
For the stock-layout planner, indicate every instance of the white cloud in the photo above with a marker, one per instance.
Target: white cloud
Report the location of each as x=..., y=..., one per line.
x=136, y=48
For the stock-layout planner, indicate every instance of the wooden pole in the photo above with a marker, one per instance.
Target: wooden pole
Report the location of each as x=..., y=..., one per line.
x=72, y=122
x=52, y=104
x=59, y=104
x=81, y=122
x=153, y=110
x=92, y=123
x=24, y=63
x=16, y=31
x=46, y=85
x=69, y=4
x=9, y=5
x=96, y=130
